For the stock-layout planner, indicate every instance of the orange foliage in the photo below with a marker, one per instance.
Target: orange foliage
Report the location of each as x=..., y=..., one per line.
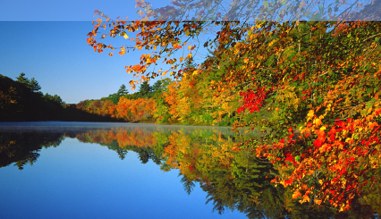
x=135, y=110
x=171, y=98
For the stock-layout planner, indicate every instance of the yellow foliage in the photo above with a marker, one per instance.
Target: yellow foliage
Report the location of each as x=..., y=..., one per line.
x=318, y=201
x=304, y=199
x=310, y=115
x=289, y=97
x=317, y=122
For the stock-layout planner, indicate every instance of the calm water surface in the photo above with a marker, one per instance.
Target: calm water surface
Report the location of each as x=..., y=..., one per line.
x=94, y=170
x=121, y=170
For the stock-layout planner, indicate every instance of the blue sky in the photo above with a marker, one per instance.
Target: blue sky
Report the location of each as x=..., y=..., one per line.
x=47, y=40
x=63, y=10
x=55, y=52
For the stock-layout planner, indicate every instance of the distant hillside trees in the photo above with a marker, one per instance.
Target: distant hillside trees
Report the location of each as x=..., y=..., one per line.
x=184, y=101
x=22, y=100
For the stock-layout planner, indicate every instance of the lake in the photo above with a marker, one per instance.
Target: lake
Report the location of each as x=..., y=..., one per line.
x=122, y=170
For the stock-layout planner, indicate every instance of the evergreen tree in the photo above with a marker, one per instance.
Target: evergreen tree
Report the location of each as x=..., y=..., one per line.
x=161, y=85
x=122, y=91
x=22, y=79
x=32, y=84
x=145, y=89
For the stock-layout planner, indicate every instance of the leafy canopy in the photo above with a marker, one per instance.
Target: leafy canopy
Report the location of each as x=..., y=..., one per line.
x=311, y=87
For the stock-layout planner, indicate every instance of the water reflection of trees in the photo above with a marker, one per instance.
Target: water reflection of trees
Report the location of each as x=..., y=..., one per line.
x=23, y=147
x=233, y=177
x=230, y=173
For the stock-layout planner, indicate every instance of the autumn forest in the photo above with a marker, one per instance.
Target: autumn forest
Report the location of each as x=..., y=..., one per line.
x=311, y=88
x=304, y=97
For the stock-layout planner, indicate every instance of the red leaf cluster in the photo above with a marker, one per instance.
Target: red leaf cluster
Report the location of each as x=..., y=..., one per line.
x=252, y=101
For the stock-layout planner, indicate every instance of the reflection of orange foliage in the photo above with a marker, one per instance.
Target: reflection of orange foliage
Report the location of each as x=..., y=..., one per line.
x=124, y=137
x=178, y=144
x=190, y=156
x=135, y=110
x=135, y=137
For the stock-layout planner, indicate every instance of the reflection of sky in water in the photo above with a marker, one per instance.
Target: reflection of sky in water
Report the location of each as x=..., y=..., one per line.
x=78, y=180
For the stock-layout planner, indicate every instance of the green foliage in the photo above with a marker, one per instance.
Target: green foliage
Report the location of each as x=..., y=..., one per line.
x=145, y=90
x=54, y=98
x=122, y=91
x=161, y=114
x=22, y=79
x=160, y=86
x=32, y=83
